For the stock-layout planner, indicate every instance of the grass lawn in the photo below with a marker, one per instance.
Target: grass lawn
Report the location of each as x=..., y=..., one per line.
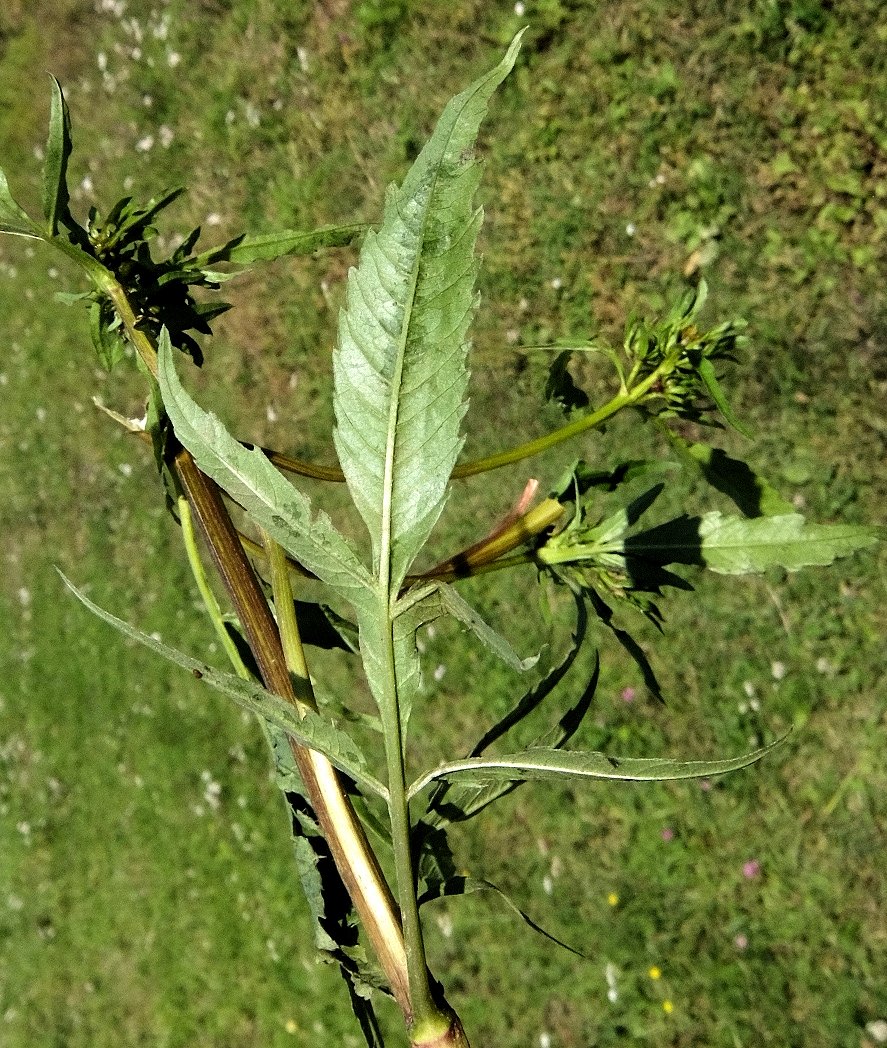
x=148, y=894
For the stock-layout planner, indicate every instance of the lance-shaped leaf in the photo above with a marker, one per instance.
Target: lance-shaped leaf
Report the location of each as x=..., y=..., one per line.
x=269, y=498
x=399, y=368
x=55, y=170
x=310, y=730
x=546, y=763
x=265, y=247
x=707, y=373
x=735, y=545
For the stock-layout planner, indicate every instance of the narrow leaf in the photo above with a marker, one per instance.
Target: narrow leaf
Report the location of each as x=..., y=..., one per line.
x=375, y=630
x=269, y=498
x=55, y=169
x=311, y=730
x=399, y=367
x=266, y=247
x=737, y=546
x=707, y=374
x=545, y=763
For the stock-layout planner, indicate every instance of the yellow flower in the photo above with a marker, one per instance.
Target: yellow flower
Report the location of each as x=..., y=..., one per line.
x=667, y=1007
x=291, y=1026
x=613, y=899
x=654, y=973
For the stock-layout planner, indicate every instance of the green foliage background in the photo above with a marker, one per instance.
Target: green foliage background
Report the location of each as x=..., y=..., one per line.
x=147, y=891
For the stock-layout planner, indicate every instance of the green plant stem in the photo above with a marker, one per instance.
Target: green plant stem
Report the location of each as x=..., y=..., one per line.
x=287, y=623
x=209, y=598
x=623, y=399
x=425, y=1010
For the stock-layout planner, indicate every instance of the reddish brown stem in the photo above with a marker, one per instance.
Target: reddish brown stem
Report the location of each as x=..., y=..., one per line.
x=354, y=858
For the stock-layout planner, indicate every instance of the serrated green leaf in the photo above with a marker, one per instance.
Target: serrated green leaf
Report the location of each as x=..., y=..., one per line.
x=540, y=763
x=265, y=247
x=400, y=365
x=55, y=169
x=409, y=615
x=269, y=498
x=732, y=545
x=383, y=638
x=310, y=730
x=14, y=219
